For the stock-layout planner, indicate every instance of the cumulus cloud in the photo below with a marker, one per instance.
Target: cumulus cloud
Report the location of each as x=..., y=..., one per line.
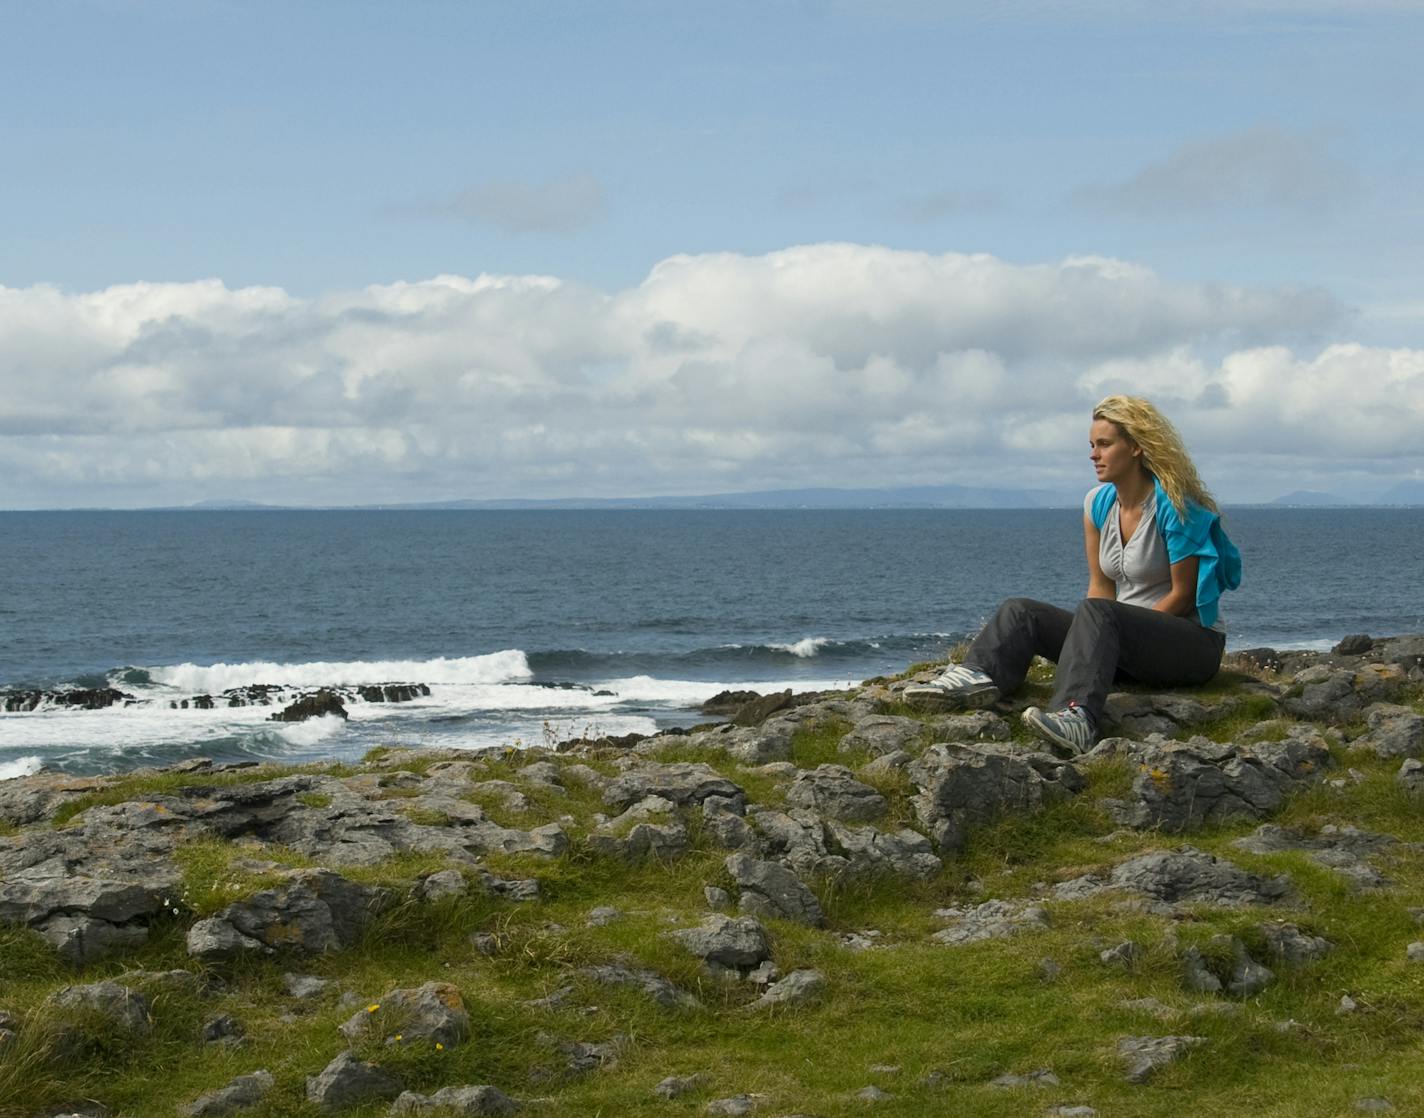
x=829, y=364
x=559, y=205
x=1265, y=167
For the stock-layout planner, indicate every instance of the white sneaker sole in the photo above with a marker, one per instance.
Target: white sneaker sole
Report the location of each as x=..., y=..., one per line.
x=927, y=697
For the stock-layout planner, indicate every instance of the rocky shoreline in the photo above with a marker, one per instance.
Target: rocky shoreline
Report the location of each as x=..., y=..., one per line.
x=788, y=804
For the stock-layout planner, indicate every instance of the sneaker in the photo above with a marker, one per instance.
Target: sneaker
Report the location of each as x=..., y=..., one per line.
x=1069, y=731
x=956, y=688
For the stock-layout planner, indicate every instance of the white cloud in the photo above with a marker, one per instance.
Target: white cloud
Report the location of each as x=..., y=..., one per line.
x=830, y=364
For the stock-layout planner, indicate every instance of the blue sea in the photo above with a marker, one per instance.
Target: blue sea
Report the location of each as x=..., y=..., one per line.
x=534, y=626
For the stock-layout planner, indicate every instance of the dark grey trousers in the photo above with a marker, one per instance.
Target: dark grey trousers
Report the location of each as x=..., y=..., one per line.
x=1102, y=640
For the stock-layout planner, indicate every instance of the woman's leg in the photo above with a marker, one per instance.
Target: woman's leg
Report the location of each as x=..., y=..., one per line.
x=1020, y=630
x=1107, y=638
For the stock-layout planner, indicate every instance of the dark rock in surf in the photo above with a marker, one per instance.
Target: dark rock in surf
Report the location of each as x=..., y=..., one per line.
x=84, y=698
x=759, y=710
x=392, y=692
x=319, y=705
x=728, y=702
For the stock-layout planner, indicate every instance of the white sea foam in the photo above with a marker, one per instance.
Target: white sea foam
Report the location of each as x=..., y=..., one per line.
x=21, y=766
x=806, y=647
x=510, y=665
x=306, y=734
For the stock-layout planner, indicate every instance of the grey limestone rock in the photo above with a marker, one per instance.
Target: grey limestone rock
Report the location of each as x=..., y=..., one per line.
x=833, y=792
x=1123, y=955
x=1248, y=977
x=976, y=725
x=223, y=1029
x=994, y=919
x=683, y=783
x=1197, y=977
x=879, y=734
x=871, y=852
x=1181, y=877
x=664, y=840
x=214, y=939
x=581, y=1057
x=1394, y=731
x=873, y=1093
x=434, y=1013
x=1411, y=775
x=796, y=839
x=675, y=1086
x=1415, y=952
x=1288, y=944
x=31, y=799
x=1184, y=785
x=441, y=884
x=717, y=898
x=544, y=773
x=1152, y=1008
x=1144, y=1055
x=314, y=911
x=243, y=1092
x=964, y=785
x=722, y=822
x=734, y=943
x=797, y=988
x=472, y=1101
x=1042, y=1077
x=733, y=1107
x=305, y=986
x=886, y=763
x=125, y=1009
x=81, y=940
x=1342, y=849
x=770, y=889
x=658, y=988
x=350, y=1081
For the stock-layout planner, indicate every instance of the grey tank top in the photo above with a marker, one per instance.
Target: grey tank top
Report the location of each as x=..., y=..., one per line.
x=1140, y=568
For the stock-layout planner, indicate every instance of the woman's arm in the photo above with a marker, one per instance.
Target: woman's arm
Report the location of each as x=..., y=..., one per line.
x=1182, y=598
x=1099, y=585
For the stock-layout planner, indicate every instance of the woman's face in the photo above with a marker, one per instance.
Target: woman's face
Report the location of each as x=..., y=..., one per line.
x=1115, y=457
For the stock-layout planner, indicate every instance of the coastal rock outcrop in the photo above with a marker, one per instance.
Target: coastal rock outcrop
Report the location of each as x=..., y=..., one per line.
x=964, y=785
x=1181, y=786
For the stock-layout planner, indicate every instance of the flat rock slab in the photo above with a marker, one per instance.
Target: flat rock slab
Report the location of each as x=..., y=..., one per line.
x=1185, y=876
x=481, y=1101
x=242, y=1093
x=995, y=919
x=350, y=1081
x=1144, y=1055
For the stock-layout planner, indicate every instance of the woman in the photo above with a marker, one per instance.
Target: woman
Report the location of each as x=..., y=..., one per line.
x=1158, y=562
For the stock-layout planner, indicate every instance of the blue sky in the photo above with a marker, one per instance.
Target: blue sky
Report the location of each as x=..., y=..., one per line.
x=326, y=153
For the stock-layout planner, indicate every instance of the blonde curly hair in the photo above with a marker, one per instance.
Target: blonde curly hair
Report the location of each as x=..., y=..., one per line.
x=1163, y=452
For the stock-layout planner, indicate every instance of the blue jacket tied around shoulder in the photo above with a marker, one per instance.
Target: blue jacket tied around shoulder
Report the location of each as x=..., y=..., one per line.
x=1199, y=534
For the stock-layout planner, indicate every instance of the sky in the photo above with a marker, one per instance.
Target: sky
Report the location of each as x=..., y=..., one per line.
x=352, y=252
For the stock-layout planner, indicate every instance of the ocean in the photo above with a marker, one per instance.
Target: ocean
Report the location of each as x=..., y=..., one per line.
x=533, y=626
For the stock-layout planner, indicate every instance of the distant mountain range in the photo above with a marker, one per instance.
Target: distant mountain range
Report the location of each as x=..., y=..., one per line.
x=904, y=497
